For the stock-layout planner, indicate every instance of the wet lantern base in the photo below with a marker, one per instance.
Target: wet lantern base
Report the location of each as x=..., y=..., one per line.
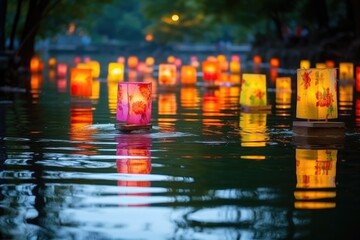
x=122, y=127
x=318, y=132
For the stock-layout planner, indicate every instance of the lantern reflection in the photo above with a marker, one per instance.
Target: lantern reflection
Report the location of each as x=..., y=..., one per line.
x=36, y=81
x=134, y=157
x=81, y=119
x=253, y=130
x=357, y=112
x=346, y=71
x=189, y=97
x=315, y=174
x=112, y=96
x=167, y=107
x=345, y=99
x=283, y=93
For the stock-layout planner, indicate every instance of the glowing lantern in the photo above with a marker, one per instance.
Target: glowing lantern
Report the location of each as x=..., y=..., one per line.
x=320, y=65
x=253, y=94
x=52, y=62
x=346, y=71
x=115, y=72
x=36, y=65
x=80, y=82
x=315, y=169
x=274, y=62
x=253, y=129
x=304, y=64
x=134, y=103
x=257, y=60
x=194, y=61
x=223, y=63
x=316, y=94
x=283, y=92
x=132, y=62
x=274, y=73
x=330, y=64
x=210, y=71
x=357, y=81
x=95, y=67
x=77, y=60
x=235, y=67
x=61, y=70
x=167, y=74
x=167, y=104
x=188, y=74
x=234, y=79
x=171, y=59
x=317, y=100
x=149, y=61
x=211, y=103
x=134, y=157
x=235, y=58
x=36, y=81
x=121, y=59
x=132, y=75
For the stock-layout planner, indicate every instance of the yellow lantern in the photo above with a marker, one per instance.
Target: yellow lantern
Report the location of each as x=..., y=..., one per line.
x=316, y=94
x=235, y=67
x=81, y=82
x=95, y=90
x=167, y=74
x=188, y=74
x=115, y=72
x=149, y=61
x=346, y=71
x=171, y=59
x=112, y=96
x=320, y=65
x=283, y=92
x=253, y=93
x=95, y=67
x=304, y=64
x=315, y=169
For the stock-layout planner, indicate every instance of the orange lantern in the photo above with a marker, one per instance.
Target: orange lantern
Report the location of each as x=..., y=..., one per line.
x=132, y=62
x=345, y=98
x=210, y=71
x=235, y=67
x=188, y=74
x=115, y=72
x=171, y=59
x=52, y=62
x=121, y=59
x=80, y=82
x=36, y=65
x=149, y=61
x=274, y=62
x=330, y=63
x=257, y=60
x=134, y=103
x=167, y=74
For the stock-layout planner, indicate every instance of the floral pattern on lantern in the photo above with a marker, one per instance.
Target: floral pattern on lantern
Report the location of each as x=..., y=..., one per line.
x=253, y=90
x=167, y=74
x=134, y=102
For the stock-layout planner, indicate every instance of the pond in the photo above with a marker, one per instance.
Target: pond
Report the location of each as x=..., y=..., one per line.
x=205, y=170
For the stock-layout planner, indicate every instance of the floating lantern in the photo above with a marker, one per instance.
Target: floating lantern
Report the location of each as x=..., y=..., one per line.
x=95, y=67
x=61, y=70
x=188, y=74
x=132, y=62
x=167, y=74
x=235, y=67
x=274, y=62
x=257, y=60
x=315, y=172
x=330, y=64
x=80, y=82
x=357, y=81
x=121, y=59
x=77, y=60
x=320, y=65
x=150, y=61
x=304, y=64
x=346, y=71
x=115, y=72
x=52, y=62
x=253, y=95
x=36, y=65
x=283, y=92
x=171, y=59
x=178, y=62
x=133, y=106
x=317, y=100
x=210, y=71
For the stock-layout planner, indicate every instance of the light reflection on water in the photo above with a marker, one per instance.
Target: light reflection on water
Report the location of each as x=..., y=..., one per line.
x=205, y=170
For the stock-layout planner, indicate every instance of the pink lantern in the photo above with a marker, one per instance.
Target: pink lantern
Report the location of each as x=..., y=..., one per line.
x=133, y=105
